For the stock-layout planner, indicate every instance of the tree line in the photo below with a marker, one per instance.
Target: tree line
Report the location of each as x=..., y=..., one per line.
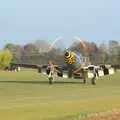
x=38, y=52
x=100, y=53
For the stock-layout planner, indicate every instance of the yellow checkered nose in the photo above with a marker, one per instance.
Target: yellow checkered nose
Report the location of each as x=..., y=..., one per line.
x=69, y=57
x=67, y=54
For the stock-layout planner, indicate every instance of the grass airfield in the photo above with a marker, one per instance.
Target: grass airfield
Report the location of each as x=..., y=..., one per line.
x=26, y=95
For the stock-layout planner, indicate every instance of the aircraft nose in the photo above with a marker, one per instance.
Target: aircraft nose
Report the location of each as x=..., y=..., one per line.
x=67, y=54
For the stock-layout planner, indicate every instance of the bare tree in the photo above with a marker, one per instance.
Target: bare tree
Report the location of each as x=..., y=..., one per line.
x=113, y=51
x=42, y=45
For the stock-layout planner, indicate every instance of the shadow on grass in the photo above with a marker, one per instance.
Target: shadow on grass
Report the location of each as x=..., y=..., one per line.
x=44, y=82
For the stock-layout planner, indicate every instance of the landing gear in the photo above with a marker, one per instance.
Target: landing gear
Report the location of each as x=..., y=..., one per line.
x=93, y=81
x=51, y=77
x=84, y=72
x=50, y=80
x=84, y=81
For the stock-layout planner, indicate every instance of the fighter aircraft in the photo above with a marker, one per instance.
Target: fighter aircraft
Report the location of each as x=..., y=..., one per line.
x=74, y=66
x=74, y=63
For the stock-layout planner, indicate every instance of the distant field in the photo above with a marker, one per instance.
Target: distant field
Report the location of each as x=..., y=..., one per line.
x=28, y=96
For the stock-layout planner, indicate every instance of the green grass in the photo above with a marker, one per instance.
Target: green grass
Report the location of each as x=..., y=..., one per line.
x=28, y=96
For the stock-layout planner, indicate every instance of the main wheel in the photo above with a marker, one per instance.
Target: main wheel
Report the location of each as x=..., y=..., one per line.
x=94, y=80
x=50, y=80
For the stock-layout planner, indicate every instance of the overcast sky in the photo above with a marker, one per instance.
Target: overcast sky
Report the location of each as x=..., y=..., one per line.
x=22, y=21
